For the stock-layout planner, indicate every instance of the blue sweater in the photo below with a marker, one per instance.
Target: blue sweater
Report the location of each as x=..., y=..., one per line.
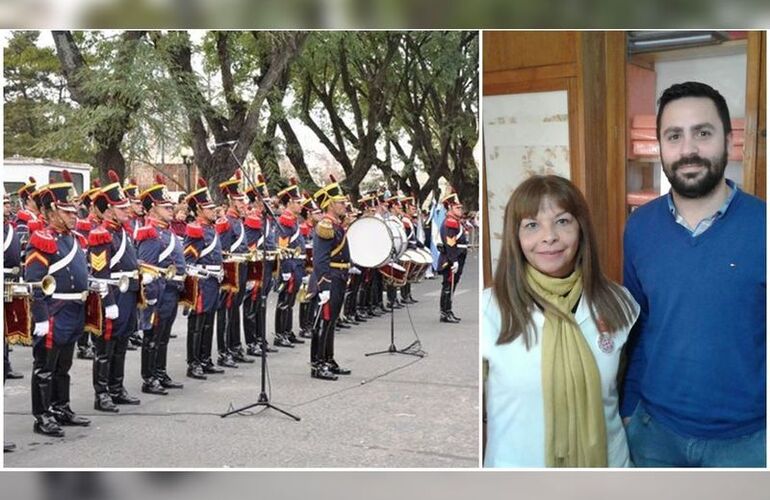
x=697, y=354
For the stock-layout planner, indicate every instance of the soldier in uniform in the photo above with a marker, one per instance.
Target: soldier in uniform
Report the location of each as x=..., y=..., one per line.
x=27, y=218
x=260, y=238
x=331, y=263
x=311, y=213
x=113, y=256
x=136, y=210
x=407, y=218
x=58, y=318
x=83, y=227
x=14, y=331
x=132, y=225
x=235, y=246
x=155, y=247
x=292, y=247
x=452, y=259
x=203, y=255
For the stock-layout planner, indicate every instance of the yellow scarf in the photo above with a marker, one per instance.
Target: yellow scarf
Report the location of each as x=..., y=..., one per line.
x=575, y=431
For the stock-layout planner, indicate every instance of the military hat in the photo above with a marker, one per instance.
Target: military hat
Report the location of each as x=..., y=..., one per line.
x=131, y=188
x=156, y=195
x=111, y=195
x=86, y=198
x=367, y=201
x=231, y=188
x=59, y=194
x=290, y=193
x=309, y=206
x=329, y=193
x=200, y=198
x=27, y=189
x=450, y=199
x=251, y=192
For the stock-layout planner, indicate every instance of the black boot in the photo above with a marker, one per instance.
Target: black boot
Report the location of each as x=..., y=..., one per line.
x=446, y=317
x=162, y=353
x=118, y=392
x=45, y=424
x=65, y=416
x=153, y=386
x=323, y=372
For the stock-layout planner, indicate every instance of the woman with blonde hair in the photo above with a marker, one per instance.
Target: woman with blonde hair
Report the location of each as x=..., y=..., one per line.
x=553, y=329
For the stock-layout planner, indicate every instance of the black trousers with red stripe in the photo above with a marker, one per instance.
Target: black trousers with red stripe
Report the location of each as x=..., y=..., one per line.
x=50, y=374
x=322, y=343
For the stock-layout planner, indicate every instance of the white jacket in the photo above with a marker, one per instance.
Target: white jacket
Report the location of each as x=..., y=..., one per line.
x=514, y=392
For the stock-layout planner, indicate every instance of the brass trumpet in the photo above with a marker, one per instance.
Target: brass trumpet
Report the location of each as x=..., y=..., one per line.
x=198, y=272
x=239, y=257
x=99, y=285
x=24, y=289
x=155, y=271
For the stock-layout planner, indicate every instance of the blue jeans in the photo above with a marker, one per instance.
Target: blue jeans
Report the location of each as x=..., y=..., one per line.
x=653, y=445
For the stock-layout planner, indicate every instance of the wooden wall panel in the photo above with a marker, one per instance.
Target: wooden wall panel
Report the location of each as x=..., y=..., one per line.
x=508, y=50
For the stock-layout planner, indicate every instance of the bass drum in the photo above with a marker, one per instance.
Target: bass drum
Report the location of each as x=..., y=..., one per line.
x=399, y=236
x=370, y=242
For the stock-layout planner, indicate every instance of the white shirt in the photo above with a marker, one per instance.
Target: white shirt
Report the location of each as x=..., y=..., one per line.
x=514, y=390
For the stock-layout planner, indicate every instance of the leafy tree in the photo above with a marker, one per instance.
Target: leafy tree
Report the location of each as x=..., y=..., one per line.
x=35, y=99
x=238, y=117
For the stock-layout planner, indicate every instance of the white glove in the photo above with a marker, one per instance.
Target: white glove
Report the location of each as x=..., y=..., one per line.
x=455, y=267
x=111, y=312
x=147, y=278
x=250, y=285
x=305, y=280
x=41, y=329
x=323, y=297
x=150, y=302
x=286, y=276
x=354, y=270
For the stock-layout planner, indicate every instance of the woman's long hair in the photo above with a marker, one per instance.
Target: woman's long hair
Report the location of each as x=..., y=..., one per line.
x=515, y=297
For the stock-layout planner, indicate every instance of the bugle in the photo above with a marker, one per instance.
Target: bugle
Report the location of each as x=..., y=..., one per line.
x=202, y=272
x=25, y=288
x=155, y=271
x=99, y=285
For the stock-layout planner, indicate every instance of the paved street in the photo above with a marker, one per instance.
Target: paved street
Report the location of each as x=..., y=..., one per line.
x=393, y=411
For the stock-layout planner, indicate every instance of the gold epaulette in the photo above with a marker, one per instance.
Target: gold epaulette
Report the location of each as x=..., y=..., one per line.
x=325, y=229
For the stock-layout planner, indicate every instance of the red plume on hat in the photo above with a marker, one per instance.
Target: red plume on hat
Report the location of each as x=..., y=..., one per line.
x=261, y=178
x=133, y=181
x=293, y=181
x=66, y=175
x=96, y=183
x=238, y=173
x=332, y=178
x=113, y=176
x=32, y=180
x=159, y=179
x=202, y=182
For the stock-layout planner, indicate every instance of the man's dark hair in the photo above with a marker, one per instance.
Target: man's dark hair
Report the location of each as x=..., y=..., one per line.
x=693, y=89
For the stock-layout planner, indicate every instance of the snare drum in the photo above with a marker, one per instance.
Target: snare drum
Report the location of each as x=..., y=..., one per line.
x=394, y=274
x=370, y=242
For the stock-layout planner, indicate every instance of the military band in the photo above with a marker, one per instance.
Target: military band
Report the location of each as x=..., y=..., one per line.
x=118, y=268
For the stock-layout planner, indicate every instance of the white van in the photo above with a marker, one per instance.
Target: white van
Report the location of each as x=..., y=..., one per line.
x=17, y=170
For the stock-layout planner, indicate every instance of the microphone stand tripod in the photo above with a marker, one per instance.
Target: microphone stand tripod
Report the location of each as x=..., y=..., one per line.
x=263, y=399
x=392, y=347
